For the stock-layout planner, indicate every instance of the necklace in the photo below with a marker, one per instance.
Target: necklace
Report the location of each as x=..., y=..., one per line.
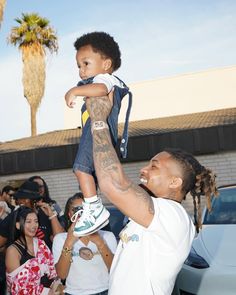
x=30, y=252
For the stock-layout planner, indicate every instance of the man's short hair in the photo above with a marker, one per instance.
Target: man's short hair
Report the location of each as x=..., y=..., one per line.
x=7, y=189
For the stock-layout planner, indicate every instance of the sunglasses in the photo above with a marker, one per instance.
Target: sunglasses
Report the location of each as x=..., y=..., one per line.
x=77, y=208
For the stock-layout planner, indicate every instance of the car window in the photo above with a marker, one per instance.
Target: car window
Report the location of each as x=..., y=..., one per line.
x=223, y=208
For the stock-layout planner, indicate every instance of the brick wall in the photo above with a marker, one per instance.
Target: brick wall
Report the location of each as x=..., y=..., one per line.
x=62, y=183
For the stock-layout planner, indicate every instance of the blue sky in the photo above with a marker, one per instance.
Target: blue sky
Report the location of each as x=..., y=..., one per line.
x=157, y=38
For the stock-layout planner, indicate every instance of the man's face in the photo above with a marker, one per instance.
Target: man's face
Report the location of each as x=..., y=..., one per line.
x=24, y=202
x=8, y=196
x=159, y=174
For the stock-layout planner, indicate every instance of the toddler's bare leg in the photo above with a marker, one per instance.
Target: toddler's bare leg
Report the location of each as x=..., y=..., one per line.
x=87, y=184
x=94, y=215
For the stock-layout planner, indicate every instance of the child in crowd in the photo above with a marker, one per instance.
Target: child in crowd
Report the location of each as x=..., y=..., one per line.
x=97, y=56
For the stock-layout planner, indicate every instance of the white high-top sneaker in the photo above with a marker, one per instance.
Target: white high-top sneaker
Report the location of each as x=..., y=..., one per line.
x=94, y=217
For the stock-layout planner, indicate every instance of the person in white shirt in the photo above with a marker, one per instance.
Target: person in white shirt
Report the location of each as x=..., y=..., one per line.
x=84, y=262
x=157, y=240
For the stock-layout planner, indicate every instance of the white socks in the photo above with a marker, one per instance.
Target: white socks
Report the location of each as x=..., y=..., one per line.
x=91, y=199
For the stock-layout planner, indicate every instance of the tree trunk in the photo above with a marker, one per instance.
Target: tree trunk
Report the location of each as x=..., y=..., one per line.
x=2, y=6
x=33, y=79
x=33, y=112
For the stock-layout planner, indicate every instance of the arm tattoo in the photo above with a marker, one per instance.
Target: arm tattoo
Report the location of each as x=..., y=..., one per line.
x=108, y=166
x=141, y=193
x=98, y=108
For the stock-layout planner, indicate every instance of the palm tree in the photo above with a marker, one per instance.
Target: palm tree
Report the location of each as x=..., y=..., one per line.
x=33, y=36
x=2, y=6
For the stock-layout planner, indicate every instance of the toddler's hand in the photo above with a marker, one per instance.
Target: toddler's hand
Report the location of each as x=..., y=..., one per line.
x=70, y=97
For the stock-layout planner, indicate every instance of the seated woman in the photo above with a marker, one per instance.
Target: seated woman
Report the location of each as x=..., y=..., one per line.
x=28, y=259
x=84, y=262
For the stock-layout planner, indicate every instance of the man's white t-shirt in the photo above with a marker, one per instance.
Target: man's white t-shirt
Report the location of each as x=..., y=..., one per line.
x=85, y=276
x=148, y=260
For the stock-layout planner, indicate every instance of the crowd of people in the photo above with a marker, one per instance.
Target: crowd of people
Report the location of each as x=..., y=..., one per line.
x=44, y=250
x=38, y=246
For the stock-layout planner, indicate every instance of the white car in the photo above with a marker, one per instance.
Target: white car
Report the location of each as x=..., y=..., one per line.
x=210, y=268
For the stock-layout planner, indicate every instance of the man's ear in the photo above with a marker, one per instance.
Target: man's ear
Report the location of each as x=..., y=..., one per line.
x=107, y=64
x=18, y=225
x=176, y=182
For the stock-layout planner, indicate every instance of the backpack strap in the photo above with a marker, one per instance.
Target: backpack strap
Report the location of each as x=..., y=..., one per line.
x=124, y=137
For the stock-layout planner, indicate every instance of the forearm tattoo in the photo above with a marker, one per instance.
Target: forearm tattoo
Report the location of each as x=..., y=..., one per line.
x=108, y=166
x=105, y=158
x=99, y=107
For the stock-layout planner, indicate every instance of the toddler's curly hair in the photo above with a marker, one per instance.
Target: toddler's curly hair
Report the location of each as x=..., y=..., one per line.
x=102, y=43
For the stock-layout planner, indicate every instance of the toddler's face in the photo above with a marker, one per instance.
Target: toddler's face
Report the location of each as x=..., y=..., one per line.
x=91, y=63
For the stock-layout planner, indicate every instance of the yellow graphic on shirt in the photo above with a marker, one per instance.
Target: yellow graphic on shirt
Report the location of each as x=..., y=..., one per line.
x=85, y=117
x=125, y=238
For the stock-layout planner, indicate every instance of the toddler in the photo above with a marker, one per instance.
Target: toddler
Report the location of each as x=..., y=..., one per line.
x=97, y=56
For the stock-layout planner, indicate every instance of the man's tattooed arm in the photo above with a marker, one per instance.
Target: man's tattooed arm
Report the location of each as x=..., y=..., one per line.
x=114, y=184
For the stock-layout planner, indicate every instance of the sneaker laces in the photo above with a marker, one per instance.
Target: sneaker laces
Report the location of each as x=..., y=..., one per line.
x=87, y=214
x=77, y=214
